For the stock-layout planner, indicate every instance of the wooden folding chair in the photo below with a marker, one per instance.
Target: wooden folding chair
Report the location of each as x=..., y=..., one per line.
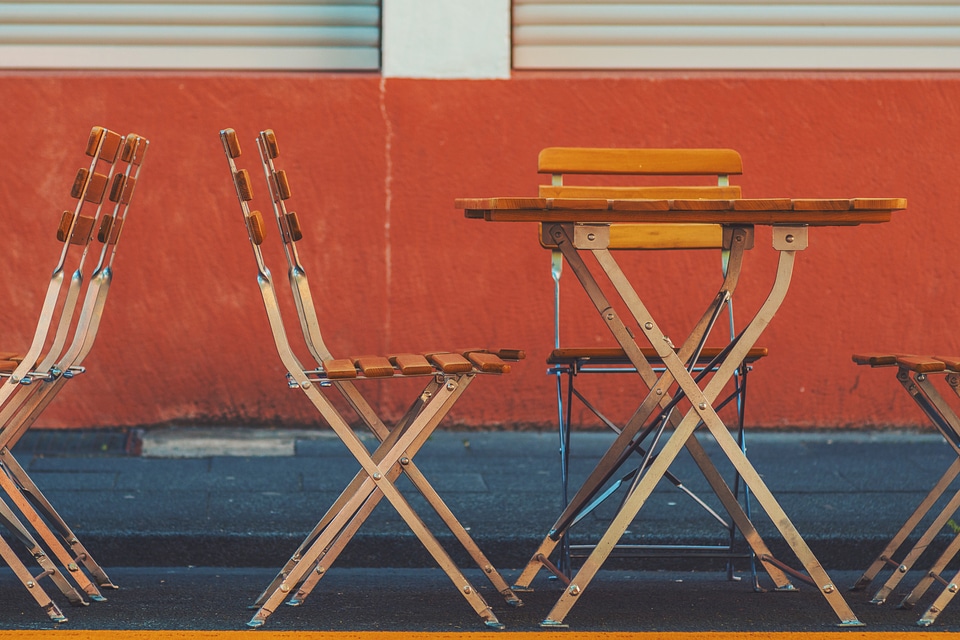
x=64, y=335
x=446, y=375
x=648, y=170
x=917, y=375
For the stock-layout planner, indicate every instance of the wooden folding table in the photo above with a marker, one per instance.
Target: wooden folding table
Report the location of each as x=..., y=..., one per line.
x=676, y=400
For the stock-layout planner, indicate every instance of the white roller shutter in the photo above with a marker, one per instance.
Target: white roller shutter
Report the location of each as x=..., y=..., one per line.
x=750, y=34
x=209, y=34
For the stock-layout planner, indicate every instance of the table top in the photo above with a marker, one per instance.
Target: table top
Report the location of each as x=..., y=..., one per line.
x=743, y=211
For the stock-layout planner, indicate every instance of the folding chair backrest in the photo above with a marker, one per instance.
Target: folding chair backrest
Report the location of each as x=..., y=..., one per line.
x=719, y=164
x=91, y=186
x=103, y=192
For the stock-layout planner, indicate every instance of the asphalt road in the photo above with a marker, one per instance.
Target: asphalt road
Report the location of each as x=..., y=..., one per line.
x=356, y=599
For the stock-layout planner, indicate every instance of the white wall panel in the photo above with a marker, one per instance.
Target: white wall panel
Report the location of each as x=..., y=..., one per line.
x=708, y=34
x=213, y=34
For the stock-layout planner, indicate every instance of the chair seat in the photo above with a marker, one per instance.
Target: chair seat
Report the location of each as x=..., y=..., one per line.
x=919, y=364
x=411, y=364
x=616, y=355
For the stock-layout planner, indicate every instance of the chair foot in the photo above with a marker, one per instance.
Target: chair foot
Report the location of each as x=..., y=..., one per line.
x=511, y=598
x=521, y=589
x=788, y=588
x=850, y=623
x=494, y=624
x=553, y=624
x=55, y=614
x=76, y=600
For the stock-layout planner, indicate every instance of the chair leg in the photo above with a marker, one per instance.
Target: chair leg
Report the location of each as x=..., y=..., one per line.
x=932, y=575
x=51, y=540
x=935, y=609
x=33, y=493
x=30, y=583
x=10, y=521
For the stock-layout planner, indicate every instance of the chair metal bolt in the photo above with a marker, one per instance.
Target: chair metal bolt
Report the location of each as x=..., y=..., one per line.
x=467, y=589
x=305, y=384
x=952, y=588
x=659, y=392
x=404, y=460
x=648, y=326
x=828, y=588
x=788, y=237
x=488, y=569
x=902, y=568
x=591, y=237
x=284, y=588
x=574, y=590
x=14, y=379
x=702, y=405
x=451, y=385
x=377, y=476
x=30, y=584
x=921, y=377
x=73, y=567
x=321, y=570
x=610, y=315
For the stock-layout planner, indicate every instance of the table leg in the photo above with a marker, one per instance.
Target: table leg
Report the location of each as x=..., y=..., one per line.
x=702, y=410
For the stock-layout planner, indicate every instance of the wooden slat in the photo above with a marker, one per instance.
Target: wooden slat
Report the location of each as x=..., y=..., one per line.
x=374, y=366
x=666, y=236
x=921, y=364
x=578, y=203
x=450, y=362
x=639, y=191
x=487, y=362
x=860, y=204
x=952, y=362
x=511, y=354
x=702, y=205
x=763, y=204
x=828, y=204
x=640, y=205
x=340, y=368
x=639, y=161
x=410, y=364
x=875, y=359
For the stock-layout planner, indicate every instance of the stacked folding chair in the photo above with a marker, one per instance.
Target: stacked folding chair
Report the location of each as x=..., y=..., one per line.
x=64, y=336
x=568, y=364
x=445, y=374
x=920, y=376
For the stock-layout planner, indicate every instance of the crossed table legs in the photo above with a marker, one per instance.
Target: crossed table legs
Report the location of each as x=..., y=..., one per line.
x=571, y=239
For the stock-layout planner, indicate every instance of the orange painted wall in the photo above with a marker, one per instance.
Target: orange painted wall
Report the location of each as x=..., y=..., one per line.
x=375, y=166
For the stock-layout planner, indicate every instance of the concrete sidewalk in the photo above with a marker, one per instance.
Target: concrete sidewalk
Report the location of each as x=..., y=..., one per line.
x=246, y=497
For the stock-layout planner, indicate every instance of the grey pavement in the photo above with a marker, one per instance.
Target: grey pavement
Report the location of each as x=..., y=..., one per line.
x=232, y=497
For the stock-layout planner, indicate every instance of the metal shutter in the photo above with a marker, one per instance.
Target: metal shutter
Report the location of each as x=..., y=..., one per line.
x=750, y=34
x=209, y=34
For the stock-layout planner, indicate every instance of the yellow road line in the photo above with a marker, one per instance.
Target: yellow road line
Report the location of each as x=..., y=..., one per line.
x=80, y=634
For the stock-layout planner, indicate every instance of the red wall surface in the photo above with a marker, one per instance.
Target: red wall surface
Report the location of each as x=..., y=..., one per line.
x=375, y=165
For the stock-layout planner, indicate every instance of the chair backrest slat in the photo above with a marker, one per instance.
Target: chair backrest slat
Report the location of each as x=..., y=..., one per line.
x=674, y=162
